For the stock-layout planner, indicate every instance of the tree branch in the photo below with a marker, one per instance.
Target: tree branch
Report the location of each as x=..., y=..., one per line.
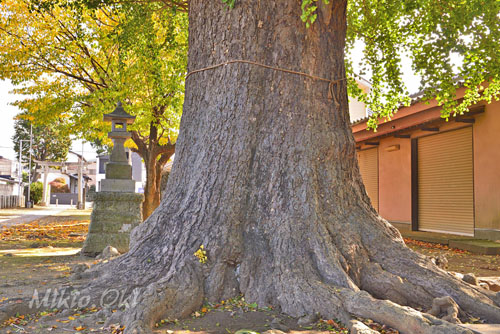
x=142, y=148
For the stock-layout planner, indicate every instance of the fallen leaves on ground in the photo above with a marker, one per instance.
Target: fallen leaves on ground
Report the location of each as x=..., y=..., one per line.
x=227, y=305
x=20, y=320
x=459, y=260
x=117, y=329
x=383, y=329
x=72, y=230
x=432, y=245
x=333, y=326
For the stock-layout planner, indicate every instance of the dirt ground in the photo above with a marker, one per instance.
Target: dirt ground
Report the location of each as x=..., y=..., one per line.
x=458, y=260
x=39, y=255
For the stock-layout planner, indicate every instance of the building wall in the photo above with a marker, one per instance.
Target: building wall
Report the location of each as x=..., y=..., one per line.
x=101, y=170
x=136, y=162
x=92, y=173
x=395, y=180
x=8, y=167
x=486, y=136
x=8, y=189
x=357, y=110
x=395, y=167
x=64, y=199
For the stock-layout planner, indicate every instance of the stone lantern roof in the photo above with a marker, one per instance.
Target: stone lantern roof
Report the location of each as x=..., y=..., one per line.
x=119, y=114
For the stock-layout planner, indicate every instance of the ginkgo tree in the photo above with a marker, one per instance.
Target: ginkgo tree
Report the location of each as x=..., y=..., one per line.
x=75, y=63
x=265, y=197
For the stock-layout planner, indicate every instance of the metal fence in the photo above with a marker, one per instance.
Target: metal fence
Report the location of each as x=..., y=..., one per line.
x=7, y=202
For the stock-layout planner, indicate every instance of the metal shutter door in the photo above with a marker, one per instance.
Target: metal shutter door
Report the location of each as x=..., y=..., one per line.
x=446, y=182
x=368, y=166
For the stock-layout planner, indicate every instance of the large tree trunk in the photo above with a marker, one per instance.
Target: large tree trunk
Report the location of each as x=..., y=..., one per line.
x=154, y=162
x=266, y=178
x=155, y=156
x=151, y=192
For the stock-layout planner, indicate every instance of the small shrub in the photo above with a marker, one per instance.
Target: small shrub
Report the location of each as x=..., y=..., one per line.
x=36, y=192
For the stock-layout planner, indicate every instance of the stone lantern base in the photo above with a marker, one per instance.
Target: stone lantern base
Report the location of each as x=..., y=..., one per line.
x=114, y=215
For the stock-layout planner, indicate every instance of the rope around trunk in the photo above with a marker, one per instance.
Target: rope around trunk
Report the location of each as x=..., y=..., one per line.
x=310, y=76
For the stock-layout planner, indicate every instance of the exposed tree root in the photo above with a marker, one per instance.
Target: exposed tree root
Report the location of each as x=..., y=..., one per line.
x=176, y=297
x=379, y=291
x=405, y=319
x=320, y=273
x=446, y=306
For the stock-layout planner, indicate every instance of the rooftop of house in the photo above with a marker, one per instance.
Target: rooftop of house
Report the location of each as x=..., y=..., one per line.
x=415, y=98
x=7, y=179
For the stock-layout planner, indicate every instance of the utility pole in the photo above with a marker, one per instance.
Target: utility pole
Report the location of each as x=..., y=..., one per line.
x=29, y=171
x=45, y=169
x=81, y=203
x=20, y=171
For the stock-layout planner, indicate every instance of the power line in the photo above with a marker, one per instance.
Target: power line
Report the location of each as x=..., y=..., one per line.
x=12, y=147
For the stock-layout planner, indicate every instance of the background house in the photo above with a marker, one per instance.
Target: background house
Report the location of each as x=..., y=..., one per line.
x=68, y=174
x=8, y=177
x=357, y=109
x=423, y=173
x=9, y=184
x=8, y=167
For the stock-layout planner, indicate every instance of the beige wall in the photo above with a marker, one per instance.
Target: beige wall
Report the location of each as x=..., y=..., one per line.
x=357, y=110
x=486, y=134
x=395, y=180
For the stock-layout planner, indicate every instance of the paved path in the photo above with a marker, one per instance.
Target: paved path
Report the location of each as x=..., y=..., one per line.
x=9, y=217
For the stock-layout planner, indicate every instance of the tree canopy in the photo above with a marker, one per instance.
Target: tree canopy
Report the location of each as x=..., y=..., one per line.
x=75, y=63
x=450, y=44
x=50, y=142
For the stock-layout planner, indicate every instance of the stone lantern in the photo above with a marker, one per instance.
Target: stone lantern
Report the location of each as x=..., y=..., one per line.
x=117, y=208
x=118, y=170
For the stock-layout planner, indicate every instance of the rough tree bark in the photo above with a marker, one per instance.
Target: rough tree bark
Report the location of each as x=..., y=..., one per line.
x=266, y=178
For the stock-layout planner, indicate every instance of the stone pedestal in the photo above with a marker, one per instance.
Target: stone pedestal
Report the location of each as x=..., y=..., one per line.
x=117, y=185
x=113, y=217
